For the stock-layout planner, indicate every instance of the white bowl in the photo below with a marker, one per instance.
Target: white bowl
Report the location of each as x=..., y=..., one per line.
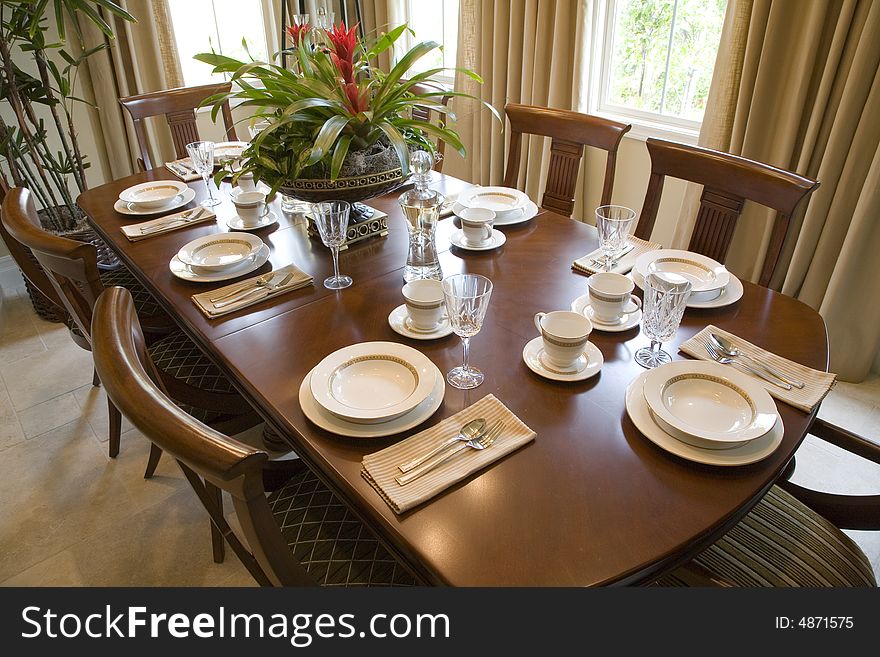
x=217, y=252
x=505, y=202
x=153, y=195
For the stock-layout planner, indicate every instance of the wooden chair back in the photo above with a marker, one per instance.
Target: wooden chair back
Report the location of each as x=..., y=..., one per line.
x=728, y=181
x=71, y=267
x=425, y=113
x=569, y=133
x=207, y=457
x=26, y=261
x=178, y=106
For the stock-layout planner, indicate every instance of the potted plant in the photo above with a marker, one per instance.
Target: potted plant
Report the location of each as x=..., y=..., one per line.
x=337, y=126
x=41, y=98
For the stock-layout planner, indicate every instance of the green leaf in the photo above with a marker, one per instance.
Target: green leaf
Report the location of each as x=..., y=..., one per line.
x=327, y=137
x=339, y=154
x=399, y=144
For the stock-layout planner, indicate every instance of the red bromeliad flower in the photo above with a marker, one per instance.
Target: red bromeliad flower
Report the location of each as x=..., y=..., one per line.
x=344, y=42
x=298, y=32
x=358, y=98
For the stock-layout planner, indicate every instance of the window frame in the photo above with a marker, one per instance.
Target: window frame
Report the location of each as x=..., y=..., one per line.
x=449, y=77
x=644, y=124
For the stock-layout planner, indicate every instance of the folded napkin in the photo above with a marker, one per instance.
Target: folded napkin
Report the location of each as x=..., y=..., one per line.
x=298, y=279
x=446, y=208
x=816, y=383
x=585, y=264
x=182, y=168
x=166, y=224
x=380, y=468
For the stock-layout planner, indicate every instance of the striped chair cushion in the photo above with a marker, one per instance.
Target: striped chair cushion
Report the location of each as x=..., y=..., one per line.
x=144, y=302
x=782, y=543
x=328, y=540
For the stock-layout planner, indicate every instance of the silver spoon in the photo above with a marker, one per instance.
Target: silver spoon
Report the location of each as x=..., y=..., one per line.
x=727, y=348
x=484, y=441
x=724, y=360
x=471, y=430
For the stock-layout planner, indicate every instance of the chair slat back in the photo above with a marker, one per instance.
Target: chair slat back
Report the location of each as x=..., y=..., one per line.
x=178, y=106
x=728, y=181
x=70, y=266
x=569, y=133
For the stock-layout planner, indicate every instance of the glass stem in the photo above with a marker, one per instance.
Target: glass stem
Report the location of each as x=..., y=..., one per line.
x=208, y=185
x=335, y=252
x=466, y=348
x=655, y=345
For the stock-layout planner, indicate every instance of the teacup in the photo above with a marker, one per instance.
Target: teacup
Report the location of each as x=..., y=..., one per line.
x=611, y=297
x=251, y=206
x=246, y=183
x=476, y=224
x=565, y=335
x=424, y=303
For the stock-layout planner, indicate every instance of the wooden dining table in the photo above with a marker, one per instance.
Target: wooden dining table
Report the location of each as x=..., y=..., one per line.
x=591, y=501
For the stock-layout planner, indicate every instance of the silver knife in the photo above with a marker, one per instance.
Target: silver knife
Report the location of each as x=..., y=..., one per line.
x=155, y=228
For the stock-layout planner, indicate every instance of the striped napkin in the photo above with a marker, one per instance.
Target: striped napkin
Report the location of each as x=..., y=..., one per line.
x=298, y=279
x=182, y=169
x=380, y=468
x=817, y=383
x=168, y=223
x=585, y=264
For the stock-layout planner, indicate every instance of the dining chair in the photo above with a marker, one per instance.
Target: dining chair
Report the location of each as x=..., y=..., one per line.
x=300, y=535
x=71, y=267
x=424, y=113
x=728, y=181
x=178, y=106
x=569, y=133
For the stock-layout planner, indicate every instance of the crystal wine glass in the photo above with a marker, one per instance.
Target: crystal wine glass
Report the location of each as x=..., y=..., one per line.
x=666, y=296
x=201, y=154
x=331, y=218
x=613, y=222
x=467, y=299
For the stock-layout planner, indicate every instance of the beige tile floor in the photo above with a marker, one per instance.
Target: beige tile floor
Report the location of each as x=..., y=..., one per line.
x=72, y=516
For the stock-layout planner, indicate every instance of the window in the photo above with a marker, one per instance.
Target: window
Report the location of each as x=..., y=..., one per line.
x=434, y=21
x=200, y=25
x=655, y=62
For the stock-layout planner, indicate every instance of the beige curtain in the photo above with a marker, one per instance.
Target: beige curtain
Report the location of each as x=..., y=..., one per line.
x=796, y=85
x=526, y=51
x=142, y=57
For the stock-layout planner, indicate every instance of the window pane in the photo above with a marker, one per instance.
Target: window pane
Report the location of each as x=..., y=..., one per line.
x=237, y=20
x=640, y=52
x=435, y=21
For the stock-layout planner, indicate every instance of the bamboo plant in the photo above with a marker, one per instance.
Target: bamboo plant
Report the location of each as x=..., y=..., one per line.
x=26, y=134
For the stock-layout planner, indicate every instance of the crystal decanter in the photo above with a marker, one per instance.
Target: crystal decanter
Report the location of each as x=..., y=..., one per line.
x=421, y=207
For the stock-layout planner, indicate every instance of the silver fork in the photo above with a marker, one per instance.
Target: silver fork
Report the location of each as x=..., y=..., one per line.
x=724, y=360
x=185, y=218
x=261, y=285
x=487, y=440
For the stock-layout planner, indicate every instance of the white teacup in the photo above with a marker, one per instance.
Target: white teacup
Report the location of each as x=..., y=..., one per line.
x=246, y=183
x=565, y=335
x=611, y=297
x=251, y=206
x=424, y=303
x=476, y=224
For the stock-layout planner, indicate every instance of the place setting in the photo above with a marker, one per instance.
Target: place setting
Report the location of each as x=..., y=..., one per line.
x=609, y=303
x=712, y=285
x=510, y=205
x=154, y=197
x=562, y=351
x=252, y=212
x=219, y=257
x=477, y=232
x=422, y=316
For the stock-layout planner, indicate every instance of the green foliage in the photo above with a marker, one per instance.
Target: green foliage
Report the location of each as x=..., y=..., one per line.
x=334, y=100
x=642, y=44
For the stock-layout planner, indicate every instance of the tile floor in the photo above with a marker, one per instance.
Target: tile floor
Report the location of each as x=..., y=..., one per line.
x=72, y=516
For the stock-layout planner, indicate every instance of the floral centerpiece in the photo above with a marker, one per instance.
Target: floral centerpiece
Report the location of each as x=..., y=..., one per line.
x=337, y=125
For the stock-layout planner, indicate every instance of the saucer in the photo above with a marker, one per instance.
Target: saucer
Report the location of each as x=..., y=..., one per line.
x=122, y=207
x=399, y=321
x=591, y=362
x=236, y=222
x=457, y=239
x=627, y=320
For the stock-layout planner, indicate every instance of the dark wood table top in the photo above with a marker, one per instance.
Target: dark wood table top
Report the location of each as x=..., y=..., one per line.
x=591, y=501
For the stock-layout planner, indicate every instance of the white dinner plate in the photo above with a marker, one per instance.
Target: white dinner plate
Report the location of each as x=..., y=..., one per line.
x=123, y=207
x=732, y=293
x=588, y=364
x=627, y=320
x=751, y=452
x=337, y=425
x=706, y=275
x=399, y=322
x=228, y=150
x=219, y=251
x=707, y=404
x=457, y=239
x=237, y=223
x=154, y=195
x=184, y=271
x=372, y=382
x=530, y=211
